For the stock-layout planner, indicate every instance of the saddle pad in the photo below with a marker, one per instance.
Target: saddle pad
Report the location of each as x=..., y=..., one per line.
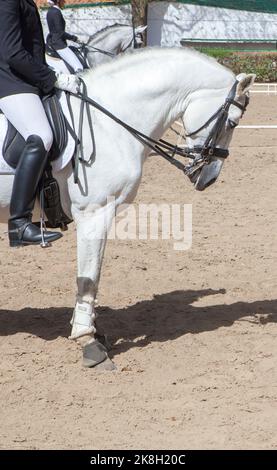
x=58, y=164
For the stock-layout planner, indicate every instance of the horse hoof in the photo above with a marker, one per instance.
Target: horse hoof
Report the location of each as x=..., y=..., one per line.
x=107, y=365
x=103, y=339
x=95, y=355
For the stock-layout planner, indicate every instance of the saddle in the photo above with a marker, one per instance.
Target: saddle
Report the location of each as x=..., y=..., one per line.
x=12, y=149
x=61, y=128
x=14, y=142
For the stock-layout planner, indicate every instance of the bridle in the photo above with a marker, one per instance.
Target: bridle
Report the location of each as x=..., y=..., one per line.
x=134, y=39
x=204, y=154
x=199, y=155
x=85, y=48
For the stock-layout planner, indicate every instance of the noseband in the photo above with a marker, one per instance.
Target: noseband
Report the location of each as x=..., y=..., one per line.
x=203, y=154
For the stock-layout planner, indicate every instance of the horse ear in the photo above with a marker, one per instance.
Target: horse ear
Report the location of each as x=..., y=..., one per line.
x=140, y=29
x=245, y=83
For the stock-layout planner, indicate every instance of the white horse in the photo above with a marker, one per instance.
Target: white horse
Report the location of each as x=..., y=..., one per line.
x=113, y=40
x=106, y=44
x=149, y=90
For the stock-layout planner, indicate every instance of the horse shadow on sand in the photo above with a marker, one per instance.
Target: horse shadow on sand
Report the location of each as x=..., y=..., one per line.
x=165, y=317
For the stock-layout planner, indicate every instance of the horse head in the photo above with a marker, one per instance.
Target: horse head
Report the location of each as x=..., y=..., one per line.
x=219, y=112
x=138, y=36
x=113, y=40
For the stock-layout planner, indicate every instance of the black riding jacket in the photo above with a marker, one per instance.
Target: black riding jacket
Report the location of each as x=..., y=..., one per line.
x=22, y=51
x=57, y=36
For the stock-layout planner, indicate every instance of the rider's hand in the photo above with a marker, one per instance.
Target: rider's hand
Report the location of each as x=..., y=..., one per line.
x=68, y=82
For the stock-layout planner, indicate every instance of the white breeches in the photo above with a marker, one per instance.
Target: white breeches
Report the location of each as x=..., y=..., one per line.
x=70, y=58
x=26, y=113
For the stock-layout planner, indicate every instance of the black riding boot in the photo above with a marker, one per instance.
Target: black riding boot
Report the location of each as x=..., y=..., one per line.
x=28, y=173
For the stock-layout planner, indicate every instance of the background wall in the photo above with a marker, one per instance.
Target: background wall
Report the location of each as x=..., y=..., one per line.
x=168, y=22
x=43, y=3
x=85, y=20
x=250, y=5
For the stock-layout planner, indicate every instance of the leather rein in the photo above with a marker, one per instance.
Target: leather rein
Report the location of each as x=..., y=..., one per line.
x=85, y=48
x=199, y=155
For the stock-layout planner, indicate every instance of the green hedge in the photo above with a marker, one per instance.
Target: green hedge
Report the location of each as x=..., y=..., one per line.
x=264, y=65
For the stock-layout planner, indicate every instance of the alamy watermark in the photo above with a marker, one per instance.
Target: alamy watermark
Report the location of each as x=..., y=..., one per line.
x=141, y=222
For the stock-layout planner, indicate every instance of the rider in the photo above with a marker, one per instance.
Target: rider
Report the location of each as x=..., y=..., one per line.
x=57, y=36
x=24, y=78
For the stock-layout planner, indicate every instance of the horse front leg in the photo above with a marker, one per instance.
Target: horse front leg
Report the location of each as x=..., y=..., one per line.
x=92, y=232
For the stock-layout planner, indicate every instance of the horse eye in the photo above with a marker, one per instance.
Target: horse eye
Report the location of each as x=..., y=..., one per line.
x=232, y=124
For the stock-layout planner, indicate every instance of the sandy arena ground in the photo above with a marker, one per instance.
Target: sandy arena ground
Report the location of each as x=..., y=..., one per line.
x=194, y=333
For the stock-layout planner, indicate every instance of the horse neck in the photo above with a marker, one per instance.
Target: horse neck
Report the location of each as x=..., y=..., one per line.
x=150, y=91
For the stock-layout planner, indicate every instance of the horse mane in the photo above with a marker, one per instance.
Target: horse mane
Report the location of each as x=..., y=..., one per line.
x=106, y=28
x=133, y=57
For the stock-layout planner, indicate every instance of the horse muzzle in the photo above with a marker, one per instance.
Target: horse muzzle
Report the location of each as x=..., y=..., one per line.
x=207, y=174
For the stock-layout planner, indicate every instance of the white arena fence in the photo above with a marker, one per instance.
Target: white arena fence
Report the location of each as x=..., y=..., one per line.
x=257, y=127
x=267, y=88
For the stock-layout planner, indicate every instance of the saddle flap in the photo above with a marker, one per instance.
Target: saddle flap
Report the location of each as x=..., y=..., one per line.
x=58, y=124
